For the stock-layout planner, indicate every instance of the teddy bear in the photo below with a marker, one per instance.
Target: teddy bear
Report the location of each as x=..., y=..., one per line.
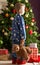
x=21, y=51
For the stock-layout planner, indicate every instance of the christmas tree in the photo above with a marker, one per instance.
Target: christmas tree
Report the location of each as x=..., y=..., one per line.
x=6, y=17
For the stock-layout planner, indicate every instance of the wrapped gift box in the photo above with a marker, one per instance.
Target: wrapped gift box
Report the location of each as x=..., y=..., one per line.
x=33, y=45
x=4, y=57
x=35, y=60
x=34, y=54
x=3, y=51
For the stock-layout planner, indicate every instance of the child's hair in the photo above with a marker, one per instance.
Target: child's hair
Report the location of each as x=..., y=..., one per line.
x=18, y=6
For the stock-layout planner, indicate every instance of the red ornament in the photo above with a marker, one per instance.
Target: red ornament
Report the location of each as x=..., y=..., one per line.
x=10, y=29
x=26, y=26
x=14, y=11
x=33, y=19
x=30, y=32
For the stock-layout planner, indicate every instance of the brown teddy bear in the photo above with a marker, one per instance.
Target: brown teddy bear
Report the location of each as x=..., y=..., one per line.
x=24, y=52
x=21, y=51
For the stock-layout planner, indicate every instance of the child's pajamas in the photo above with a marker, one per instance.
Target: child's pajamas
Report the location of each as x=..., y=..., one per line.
x=18, y=29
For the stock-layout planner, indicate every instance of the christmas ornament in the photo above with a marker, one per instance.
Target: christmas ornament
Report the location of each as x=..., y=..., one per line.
x=26, y=15
x=1, y=41
x=3, y=30
x=35, y=33
x=7, y=15
x=26, y=9
x=2, y=22
x=5, y=33
x=14, y=11
x=31, y=10
x=33, y=19
x=12, y=5
x=6, y=9
x=26, y=26
x=11, y=18
x=19, y=0
x=30, y=32
x=32, y=24
x=26, y=1
x=10, y=28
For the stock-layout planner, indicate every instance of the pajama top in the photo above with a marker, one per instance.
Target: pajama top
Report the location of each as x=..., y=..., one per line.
x=18, y=29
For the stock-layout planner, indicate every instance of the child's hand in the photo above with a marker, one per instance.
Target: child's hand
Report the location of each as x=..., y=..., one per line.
x=21, y=42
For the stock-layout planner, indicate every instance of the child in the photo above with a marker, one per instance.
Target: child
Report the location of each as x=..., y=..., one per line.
x=19, y=33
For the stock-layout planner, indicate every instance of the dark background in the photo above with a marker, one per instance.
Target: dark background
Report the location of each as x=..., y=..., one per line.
x=35, y=4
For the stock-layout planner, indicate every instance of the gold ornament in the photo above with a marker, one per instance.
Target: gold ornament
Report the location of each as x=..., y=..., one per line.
x=32, y=24
x=11, y=18
x=26, y=1
x=26, y=15
x=12, y=5
x=6, y=8
x=3, y=30
x=2, y=22
x=7, y=15
x=19, y=0
x=31, y=10
x=1, y=41
x=35, y=33
x=5, y=33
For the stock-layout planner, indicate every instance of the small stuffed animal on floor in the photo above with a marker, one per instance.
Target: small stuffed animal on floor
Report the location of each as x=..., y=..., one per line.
x=24, y=52
x=21, y=51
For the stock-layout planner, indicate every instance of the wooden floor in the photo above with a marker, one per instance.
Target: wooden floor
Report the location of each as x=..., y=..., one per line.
x=10, y=63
